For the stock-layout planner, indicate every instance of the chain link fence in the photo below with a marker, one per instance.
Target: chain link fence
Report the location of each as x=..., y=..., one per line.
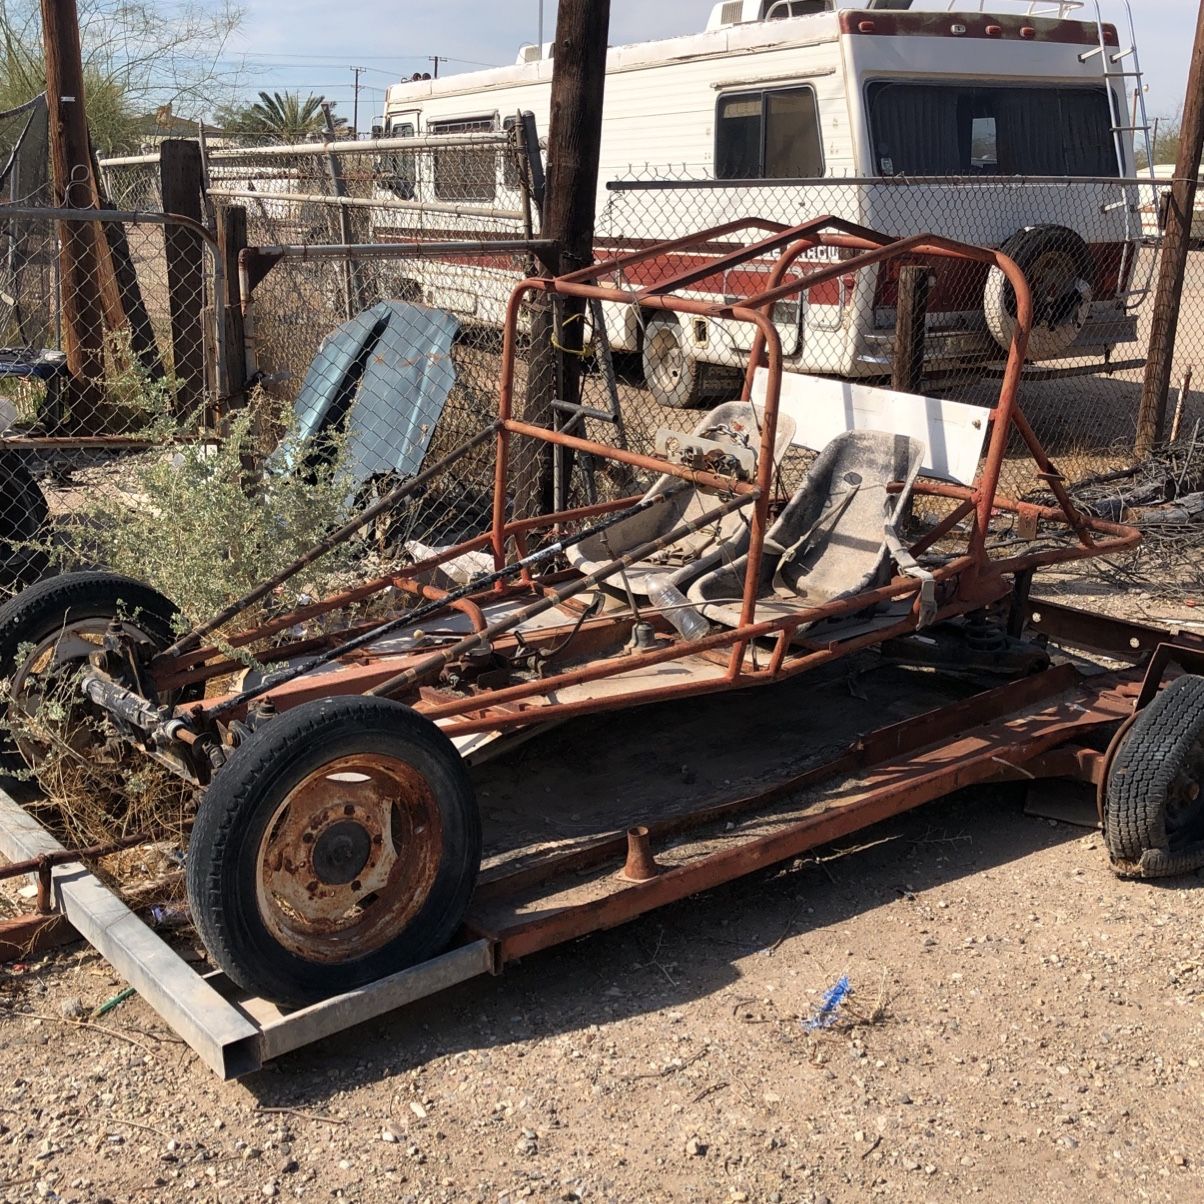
x=1088, y=247
x=277, y=361
x=337, y=355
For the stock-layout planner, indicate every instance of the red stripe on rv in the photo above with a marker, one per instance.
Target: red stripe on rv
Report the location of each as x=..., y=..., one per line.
x=745, y=281
x=959, y=285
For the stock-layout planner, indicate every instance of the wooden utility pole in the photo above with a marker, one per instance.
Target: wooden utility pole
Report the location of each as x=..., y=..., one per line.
x=1151, y=415
x=71, y=171
x=571, y=190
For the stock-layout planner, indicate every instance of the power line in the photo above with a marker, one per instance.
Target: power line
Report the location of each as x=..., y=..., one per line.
x=386, y=58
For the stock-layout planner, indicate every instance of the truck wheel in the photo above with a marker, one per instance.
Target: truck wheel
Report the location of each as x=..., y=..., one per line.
x=1154, y=795
x=340, y=844
x=1057, y=264
x=47, y=632
x=671, y=373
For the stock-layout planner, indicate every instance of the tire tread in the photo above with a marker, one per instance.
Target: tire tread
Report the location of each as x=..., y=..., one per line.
x=1144, y=767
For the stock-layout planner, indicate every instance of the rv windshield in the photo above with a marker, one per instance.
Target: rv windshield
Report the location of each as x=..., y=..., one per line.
x=960, y=129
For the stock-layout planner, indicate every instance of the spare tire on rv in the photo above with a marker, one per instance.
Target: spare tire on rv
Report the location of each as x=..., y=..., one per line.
x=1057, y=264
x=673, y=373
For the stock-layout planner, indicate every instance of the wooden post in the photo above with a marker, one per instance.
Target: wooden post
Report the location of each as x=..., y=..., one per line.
x=79, y=259
x=570, y=198
x=1176, y=242
x=231, y=239
x=911, y=308
x=180, y=179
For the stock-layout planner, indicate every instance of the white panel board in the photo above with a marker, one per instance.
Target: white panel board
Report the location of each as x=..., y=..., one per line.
x=951, y=431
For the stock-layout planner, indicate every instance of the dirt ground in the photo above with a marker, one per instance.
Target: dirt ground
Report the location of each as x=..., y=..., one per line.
x=1022, y=1026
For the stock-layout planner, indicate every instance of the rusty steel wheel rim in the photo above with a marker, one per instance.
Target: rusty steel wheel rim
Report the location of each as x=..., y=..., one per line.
x=348, y=858
x=44, y=676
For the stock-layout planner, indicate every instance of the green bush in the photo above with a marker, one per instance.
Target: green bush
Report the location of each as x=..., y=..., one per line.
x=204, y=523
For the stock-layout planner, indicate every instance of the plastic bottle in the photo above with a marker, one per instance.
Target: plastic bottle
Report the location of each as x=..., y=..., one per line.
x=667, y=598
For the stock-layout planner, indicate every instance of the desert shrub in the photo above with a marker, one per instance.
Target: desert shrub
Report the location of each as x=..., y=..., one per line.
x=204, y=521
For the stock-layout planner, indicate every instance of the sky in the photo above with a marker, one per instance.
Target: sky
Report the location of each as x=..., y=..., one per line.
x=299, y=45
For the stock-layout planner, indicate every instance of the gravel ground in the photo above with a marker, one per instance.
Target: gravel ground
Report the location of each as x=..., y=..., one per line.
x=1022, y=1026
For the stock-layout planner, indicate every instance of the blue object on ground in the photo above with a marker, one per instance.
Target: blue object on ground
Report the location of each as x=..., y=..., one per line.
x=826, y=1013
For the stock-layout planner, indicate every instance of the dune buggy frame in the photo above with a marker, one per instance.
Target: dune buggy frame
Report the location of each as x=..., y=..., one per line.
x=968, y=582
x=548, y=656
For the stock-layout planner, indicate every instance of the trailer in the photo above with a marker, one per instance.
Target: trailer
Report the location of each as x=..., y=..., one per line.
x=334, y=868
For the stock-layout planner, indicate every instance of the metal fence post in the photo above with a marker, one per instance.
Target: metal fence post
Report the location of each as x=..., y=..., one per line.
x=338, y=185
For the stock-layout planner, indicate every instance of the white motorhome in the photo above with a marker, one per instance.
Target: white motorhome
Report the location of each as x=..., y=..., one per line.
x=963, y=123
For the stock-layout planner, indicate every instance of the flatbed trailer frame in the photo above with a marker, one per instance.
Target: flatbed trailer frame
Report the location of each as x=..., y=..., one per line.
x=1059, y=717
x=1059, y=723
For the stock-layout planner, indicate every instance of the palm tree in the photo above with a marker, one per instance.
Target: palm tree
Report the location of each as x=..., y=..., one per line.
x=286, y=116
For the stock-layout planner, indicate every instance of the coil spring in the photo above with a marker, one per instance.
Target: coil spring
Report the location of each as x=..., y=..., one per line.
x=986, y=629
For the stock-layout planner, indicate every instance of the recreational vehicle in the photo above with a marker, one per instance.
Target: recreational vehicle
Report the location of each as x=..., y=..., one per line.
x=968, y=124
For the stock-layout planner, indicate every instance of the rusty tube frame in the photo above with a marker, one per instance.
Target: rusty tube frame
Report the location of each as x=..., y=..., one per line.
x=969, y=582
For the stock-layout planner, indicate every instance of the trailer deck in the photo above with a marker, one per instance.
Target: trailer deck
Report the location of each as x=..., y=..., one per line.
x=557, y=842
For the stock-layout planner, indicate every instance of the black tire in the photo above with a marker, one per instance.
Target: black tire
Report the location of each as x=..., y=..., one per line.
x=1057, y=264
x=671, y=374
x=23, y=518
x=229, y=852
x=1154, y=801
x=36, y=614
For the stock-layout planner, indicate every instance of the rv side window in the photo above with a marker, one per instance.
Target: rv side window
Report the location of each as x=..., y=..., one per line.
x=768, y=136
x=465, y=173
x=779, y=10
x=957, y=129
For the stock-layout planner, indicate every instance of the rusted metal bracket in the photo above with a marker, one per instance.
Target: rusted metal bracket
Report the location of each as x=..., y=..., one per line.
x=1189, y=658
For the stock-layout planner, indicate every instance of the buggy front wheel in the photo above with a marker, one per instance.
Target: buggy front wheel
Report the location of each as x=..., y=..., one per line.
x=340, y=844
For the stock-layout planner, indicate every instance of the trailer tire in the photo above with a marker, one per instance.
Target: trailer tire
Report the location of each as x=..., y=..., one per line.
x=340, y=844
x=671, y=373
x=40, y=618
x=1057, y=264
x=1154, y=796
